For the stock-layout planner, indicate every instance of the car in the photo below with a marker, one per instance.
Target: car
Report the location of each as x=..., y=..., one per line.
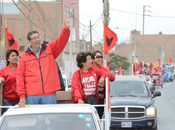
x=132, y=104
x=149, y=80
x=66, y=83
x=51, y=117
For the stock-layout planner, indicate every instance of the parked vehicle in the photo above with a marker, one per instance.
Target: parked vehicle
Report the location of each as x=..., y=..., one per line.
x=66, y=83
x=149, y=80
x=168, y=72
x=132, y=104
x=158, y=79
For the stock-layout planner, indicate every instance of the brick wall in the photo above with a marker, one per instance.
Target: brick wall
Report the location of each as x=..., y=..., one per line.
x=19, y=25
x=150, y=47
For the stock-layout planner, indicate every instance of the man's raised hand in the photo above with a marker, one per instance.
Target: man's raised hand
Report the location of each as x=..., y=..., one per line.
x=67, y=21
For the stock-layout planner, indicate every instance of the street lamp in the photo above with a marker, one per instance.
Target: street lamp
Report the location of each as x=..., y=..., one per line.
x=70, y=44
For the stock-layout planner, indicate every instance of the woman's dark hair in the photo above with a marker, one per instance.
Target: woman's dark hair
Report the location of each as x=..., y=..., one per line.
x=94, y=54
x=30, y=33
x=8, y=54
x=82, y=58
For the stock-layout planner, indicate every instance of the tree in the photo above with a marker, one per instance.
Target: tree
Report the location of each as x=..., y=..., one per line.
x=99, y=43
x=115, y=61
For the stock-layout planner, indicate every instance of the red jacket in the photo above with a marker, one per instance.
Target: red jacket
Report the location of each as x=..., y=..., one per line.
x=40, y=76
x=9, y=91
x=89, y=81
x=102, y=96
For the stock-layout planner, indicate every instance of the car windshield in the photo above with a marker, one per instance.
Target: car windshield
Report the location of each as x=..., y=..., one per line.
x=124, y=88
x=148, y=78
x=53, y=121
x=155, y=76
x=167, y=69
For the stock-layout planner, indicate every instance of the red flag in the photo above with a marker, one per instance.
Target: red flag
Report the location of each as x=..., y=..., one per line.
x=107, y=64
x=151, y=67
x=11, y=42
x=135, y=69
x=170, y=60
x=110, y=39
x=120, y=68
x=159, y=62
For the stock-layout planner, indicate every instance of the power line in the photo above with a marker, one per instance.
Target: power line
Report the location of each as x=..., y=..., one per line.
x=98, y=19
x=26, y=16
x=34, y=23
x=142, y=14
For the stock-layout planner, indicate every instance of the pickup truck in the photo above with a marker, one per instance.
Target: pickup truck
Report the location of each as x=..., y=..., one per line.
x=51, y=117
x=61, y=116
x=132, y=104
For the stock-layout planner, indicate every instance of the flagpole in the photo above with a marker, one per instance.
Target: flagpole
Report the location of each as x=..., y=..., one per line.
x=104, y=44
x=1, y=29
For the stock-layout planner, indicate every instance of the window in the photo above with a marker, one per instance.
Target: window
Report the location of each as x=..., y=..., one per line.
x=9, y=8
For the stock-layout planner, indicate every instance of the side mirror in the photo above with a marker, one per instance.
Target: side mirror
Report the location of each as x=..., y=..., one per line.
x=69, y=86
x=156, y=93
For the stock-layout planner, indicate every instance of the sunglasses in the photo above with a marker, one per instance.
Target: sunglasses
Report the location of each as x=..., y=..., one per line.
x=99, y=57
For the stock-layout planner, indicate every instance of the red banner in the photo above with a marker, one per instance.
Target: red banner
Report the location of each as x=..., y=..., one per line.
x=110, y=39
x=11, y=42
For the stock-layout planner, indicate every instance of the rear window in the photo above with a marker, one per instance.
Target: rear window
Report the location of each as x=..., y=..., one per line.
x=133, y=89
x=53, y=121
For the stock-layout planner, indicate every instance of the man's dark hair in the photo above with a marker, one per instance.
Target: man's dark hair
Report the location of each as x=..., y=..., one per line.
x=94, y=54
x=8, y=54
x=82, y=57
x=30, y=33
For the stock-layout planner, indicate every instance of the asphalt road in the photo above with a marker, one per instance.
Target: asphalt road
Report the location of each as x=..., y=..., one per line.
x=166, y=106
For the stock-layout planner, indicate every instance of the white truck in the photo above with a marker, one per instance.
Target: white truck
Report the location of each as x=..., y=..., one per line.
x=61, y=116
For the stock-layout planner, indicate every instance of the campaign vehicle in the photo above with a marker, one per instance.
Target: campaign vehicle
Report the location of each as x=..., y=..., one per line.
x=61, y=116
x=168, y=72
x=51, y=117
x=132, y=104
x=158, y=79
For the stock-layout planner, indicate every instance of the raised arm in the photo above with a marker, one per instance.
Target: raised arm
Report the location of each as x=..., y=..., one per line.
x=58, y=45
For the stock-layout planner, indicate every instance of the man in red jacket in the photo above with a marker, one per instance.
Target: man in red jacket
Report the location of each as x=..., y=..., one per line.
x=37, y=77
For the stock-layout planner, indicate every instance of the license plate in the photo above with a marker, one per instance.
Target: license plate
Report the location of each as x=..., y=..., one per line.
x=126, y=124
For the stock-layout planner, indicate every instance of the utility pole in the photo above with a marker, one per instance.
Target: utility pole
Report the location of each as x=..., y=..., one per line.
x=70, y=43
x=44, y=26
x=90, y=37
x=106, y=12
x=30, y=15
x=143, y=30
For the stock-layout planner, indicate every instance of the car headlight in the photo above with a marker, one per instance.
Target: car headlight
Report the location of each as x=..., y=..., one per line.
x=151, y=112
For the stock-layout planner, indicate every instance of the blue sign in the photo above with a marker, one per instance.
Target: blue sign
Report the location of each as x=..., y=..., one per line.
x=133, y=53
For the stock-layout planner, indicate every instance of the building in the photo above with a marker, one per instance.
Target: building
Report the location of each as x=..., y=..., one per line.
x=150, y=47
x=47, y=17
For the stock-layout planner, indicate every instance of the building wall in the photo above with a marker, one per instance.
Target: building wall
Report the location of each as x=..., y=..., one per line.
x=50, y=14
x=151, y=45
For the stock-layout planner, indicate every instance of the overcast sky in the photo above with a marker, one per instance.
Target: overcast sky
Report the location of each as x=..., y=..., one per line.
x=126, y=15
x=123, y=16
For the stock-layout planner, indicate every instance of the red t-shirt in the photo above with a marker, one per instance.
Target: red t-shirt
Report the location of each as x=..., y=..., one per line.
x=9, y=90
x=89, y=83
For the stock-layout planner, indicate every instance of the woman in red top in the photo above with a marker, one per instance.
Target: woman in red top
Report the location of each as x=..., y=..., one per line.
x=8, y=78
x=97, y=62
x=90, y=77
